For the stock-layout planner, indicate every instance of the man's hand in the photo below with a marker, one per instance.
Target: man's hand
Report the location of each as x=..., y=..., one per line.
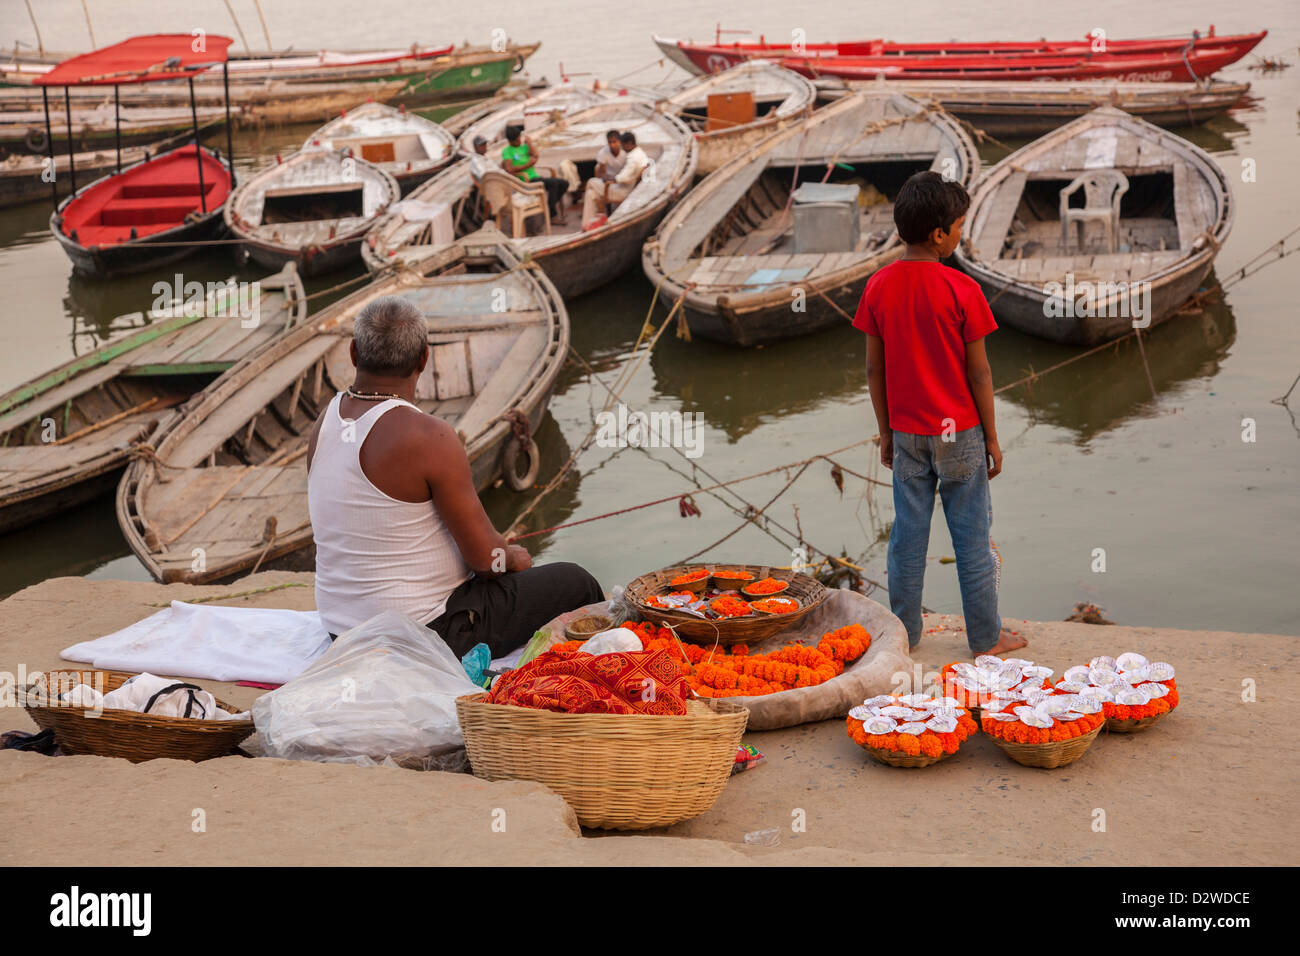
x=993, y=456
x=887, y=449
x=518, y=558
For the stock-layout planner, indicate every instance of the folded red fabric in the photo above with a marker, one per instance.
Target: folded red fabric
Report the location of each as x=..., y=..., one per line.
x=643, y=682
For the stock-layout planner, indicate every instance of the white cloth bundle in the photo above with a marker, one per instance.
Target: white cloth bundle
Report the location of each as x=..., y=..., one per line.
x=173, y=699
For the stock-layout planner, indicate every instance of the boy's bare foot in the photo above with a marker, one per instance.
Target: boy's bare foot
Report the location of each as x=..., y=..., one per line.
x=1007, y=641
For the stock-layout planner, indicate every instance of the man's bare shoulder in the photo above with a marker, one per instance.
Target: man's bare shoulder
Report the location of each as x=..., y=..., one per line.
x=422, y=427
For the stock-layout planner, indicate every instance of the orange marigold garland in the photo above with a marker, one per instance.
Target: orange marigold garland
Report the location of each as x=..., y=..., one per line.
x=690, y=577
x=728, y=606
x=766, y=586
x=912, y=724
x=1130, y=687
x=713, y=673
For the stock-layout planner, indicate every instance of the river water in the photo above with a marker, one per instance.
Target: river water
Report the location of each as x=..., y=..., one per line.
x=1198, y=527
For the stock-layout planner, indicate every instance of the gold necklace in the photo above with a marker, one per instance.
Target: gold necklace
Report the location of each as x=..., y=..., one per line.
x=371, y=396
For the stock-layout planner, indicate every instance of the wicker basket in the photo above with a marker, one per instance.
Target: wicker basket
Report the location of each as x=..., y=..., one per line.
x=1058, y=753
x=124, y=733
x=1132, y=725
x=735, y=630
x=894, y=759
x=618, y=772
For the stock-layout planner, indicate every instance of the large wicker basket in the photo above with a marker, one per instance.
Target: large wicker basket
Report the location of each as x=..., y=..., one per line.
x=124, y=733
x=737, y=630
x=618, y=772
x=1051, y=755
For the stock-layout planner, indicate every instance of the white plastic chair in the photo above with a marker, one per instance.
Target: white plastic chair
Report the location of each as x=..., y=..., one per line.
x=508, y=194
x=1102, y=191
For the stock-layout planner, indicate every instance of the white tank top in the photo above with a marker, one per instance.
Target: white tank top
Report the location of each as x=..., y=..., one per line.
x=373, y=552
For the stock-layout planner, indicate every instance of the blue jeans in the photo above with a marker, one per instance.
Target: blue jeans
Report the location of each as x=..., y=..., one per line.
x=959, y=470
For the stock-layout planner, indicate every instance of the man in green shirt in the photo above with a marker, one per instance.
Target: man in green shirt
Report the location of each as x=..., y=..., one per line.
x=520, y=158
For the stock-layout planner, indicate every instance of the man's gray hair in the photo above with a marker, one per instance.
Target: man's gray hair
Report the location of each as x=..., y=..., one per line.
x=390, y=336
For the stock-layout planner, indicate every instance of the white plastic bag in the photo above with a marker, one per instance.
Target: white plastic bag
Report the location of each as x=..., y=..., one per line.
x=387, y=689
x=611, y=641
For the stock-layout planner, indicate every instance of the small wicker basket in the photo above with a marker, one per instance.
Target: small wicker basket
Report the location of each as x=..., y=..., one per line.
x=1051, y=755
x=733, y=630
x=894, y=759
x=125, y=733
x=1132, y=725
x=617, y=772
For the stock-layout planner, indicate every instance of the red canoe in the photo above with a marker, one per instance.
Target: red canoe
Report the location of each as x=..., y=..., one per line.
x=1152, y=67
x=117, y=224
x=868, y=58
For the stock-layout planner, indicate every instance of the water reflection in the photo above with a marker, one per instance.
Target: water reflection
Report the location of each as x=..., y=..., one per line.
x=1101, y=392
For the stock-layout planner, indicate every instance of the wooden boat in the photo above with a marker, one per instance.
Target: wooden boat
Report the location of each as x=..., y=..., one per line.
x=24, y=132
x=1178, y=66
x=21, y=179
x=576, y=260
x=1009, y=110
x=232, y=480
x=428, y=74
x=405, y=145
x=713, y=57
x=1173, y=218
x=67, y=434
x=277, y=101
x=312, y=209
x=145, y=215
x=779, y=97
x=731, y=246
x=490, y=118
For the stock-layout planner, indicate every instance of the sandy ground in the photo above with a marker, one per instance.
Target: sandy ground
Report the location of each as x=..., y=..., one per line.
x=1215, y=783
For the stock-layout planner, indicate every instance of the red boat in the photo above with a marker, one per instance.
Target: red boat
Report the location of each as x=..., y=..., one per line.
x=157, y=210
x=1153, y=67
x=867, y=58
x=108, y=228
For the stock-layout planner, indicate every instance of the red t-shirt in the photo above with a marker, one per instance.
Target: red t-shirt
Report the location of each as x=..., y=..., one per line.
x=925, y=312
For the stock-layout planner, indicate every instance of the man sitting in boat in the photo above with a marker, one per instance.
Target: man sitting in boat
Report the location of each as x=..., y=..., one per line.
x=611, y=159
x=397, y=522
x=520, y=158
x=479, y=162
x=601, y=194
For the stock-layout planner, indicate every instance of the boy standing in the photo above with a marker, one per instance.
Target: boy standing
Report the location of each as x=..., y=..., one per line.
x=933, y=394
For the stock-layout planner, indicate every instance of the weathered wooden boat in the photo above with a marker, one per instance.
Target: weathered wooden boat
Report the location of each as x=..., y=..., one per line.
x=1008, y=110
x=528, y=108
x=277, y=101
x=405, y=145
x=21, y=178
x=24, y=132
x=311, y=209
x=757, y=99
x=713, y=57
x=576, y=260
x=428, y=74
x=1163, y=206
x=229, y=494
x=66, y=435
x=151, y=213
x=753, y=266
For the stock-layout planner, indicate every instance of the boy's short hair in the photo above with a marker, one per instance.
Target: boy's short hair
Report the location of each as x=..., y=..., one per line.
x=628, y=139
x=613, y=135
x=928, y=202
x=513, y=132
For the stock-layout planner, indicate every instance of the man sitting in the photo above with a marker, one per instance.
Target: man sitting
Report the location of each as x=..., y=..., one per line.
x=520, y=157
x=611, y=159
x=397, y=521
x=479, y=163
x=599, y=192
